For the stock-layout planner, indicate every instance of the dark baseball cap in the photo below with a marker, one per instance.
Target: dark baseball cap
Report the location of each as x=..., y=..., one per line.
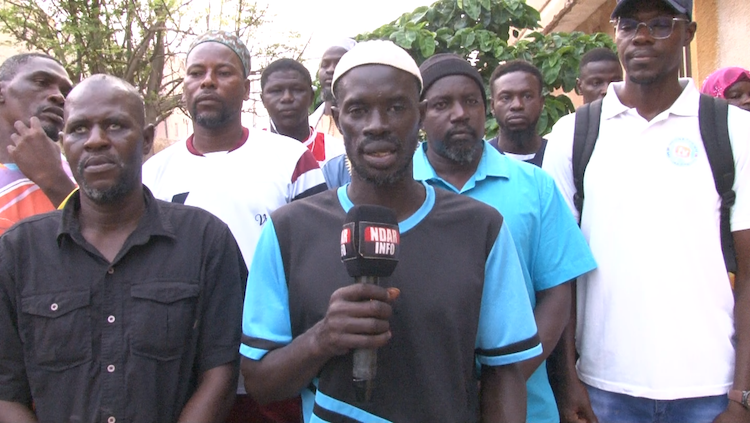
x=680, y=6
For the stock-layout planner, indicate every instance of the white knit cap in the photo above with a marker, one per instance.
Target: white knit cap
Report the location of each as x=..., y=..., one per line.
x=376, y=52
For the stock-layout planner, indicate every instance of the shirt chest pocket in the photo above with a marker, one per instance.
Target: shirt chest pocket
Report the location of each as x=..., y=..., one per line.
x=164, y=318
x=58, y=335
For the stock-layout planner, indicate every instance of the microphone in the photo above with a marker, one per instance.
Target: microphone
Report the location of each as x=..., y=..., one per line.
x=369, y=249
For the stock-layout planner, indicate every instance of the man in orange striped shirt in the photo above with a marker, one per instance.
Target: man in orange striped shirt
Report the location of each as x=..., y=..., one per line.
x=33, y=177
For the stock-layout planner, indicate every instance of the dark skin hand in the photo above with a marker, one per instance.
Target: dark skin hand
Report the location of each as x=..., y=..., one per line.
x=551, y=315
x=570, y=393
x=357, y=317
x=503, y=394
x=214, y=397
x=38, y=157
x=13, y=412
x=735, y=412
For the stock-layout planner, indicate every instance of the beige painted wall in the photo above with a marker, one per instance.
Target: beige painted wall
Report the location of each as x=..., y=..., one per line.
x=722, y=38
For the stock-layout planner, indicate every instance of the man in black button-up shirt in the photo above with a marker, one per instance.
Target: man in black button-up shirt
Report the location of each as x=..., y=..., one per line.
x=120, y=307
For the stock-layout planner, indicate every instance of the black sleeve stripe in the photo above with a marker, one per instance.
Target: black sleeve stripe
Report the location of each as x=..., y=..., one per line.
x=261, y=344
x=311, y=191
x=516, y=347
x=331, y=416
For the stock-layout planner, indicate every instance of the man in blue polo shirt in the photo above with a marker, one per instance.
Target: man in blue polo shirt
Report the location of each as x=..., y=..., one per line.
x=550, y=245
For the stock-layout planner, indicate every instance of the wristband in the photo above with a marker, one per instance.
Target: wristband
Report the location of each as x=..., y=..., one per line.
x=740, y=397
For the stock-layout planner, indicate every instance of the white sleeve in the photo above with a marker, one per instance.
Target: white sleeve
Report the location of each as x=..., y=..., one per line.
x=558, y=159
x=739, y=136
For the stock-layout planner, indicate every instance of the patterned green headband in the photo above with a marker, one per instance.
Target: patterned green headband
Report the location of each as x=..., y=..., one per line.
x=230, y=40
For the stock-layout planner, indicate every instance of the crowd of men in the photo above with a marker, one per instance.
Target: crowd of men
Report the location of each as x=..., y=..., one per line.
x=207, y=284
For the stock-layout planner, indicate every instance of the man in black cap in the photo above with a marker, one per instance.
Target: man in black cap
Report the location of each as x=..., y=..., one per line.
x=661, y=335
x=550, y=246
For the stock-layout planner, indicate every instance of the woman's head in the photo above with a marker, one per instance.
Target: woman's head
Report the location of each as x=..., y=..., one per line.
x=732, y=84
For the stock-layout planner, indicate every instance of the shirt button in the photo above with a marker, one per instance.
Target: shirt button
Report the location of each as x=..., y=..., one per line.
x=111, y=270
x=111, y=319
x=111, y=368
x=53, y=307
x=111, y=419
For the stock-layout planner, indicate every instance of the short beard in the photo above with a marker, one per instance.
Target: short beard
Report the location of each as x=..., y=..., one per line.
x=643, y=81
x=382, y=180
x=327, y=94
x=211, y=120
x=521, y=137
x=459, y=152
x=111, y=195
x=377, y=179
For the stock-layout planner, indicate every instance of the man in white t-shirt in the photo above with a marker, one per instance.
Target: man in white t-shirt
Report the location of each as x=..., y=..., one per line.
x=660, y=334
x=286, y=91
x=240, y=175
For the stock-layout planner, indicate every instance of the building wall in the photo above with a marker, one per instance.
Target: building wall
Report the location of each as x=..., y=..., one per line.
x=174, y=128
x=721, y=40
x=575, y=15
x=722, y=37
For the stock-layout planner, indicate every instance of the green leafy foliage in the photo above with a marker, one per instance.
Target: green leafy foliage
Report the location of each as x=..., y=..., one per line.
x=481, y=31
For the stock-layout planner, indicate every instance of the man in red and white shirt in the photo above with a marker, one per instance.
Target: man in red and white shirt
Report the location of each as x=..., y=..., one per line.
x=286, y=91
x=238, y=174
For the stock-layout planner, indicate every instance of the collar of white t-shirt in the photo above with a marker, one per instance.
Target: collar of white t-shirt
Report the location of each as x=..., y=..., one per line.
x=685, y=105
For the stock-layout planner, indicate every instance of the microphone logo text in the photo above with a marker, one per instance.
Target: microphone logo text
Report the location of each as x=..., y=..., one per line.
x=382, y=240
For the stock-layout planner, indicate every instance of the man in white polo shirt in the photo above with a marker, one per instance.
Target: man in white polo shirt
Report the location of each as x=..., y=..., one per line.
x=660, y=335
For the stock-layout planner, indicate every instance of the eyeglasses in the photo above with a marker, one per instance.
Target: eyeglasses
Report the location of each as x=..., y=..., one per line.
x=659, y=28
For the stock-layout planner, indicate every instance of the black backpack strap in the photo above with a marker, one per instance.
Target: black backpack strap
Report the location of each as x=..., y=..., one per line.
x=712, y=116
x=584, y=139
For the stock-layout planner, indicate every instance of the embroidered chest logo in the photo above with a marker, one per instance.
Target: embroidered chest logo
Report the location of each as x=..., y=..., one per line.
x=682, y=152
x=261, y=218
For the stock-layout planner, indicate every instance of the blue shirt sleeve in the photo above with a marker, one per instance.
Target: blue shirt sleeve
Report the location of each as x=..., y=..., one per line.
x=563, y=253
x=507, y=331
x=266, y=324
x=336, y=172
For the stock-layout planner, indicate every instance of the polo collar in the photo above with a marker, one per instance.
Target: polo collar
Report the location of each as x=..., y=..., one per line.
x=491, y=164
x=154, y=221
x=685, y=105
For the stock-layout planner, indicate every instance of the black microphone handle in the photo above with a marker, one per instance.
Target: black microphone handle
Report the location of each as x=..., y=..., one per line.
x=365, y=361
